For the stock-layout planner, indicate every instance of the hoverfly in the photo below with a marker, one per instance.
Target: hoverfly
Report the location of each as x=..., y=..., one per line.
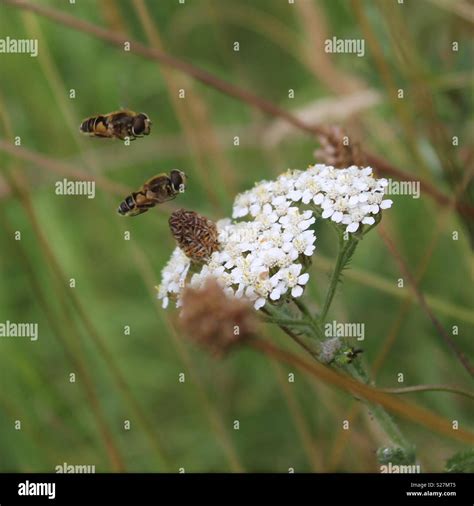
x=156, y=190
x=119, y=124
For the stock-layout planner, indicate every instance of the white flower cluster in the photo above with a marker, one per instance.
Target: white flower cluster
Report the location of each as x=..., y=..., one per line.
x=257, y=259
x=348, y=196
x=261, y=259
x=264, y=258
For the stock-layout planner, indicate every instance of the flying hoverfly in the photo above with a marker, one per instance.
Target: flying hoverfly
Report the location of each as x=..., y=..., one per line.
x=158, y=189
x=119, y=124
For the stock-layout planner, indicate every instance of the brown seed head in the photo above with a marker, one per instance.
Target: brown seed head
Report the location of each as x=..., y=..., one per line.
x=215, y=320
x=196, y=235
x=335, y=151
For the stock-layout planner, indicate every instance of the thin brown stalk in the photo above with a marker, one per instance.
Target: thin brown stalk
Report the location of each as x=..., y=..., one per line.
x=173, y=83
x=308, y=444
x=209, y=79
x=428, y=388
x=342, y=439
x=147, y=272
x=407, y=410
x=53, y=77
x=17, y=184
x=116, y=372
x=422, y=301
x=420, y=271
x=61, y=168
x=194, y=117
x=144, y=265
x=92, y=332
x=16, y=180
x=353, y=412
x=76, y=359
x=462, y=8
x=314, y=25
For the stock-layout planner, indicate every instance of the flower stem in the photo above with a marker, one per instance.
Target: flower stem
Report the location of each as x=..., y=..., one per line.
x=289, y=331
x=287, y=321
x=401, y=451
x=345, y=253
x=357, y=371
x=316, y=326
x=404, y=450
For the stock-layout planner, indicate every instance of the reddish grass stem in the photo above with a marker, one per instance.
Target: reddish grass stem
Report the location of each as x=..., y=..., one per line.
x=422, y=301
x=117, y=39
x=407, y=410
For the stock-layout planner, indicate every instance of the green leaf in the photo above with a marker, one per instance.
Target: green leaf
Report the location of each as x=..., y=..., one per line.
x=461, y=462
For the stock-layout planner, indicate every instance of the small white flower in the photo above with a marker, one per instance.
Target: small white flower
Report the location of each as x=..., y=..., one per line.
x=368, y=220
x=259, y=303
x=386, y=204
x=318, y=198
x=352, y=227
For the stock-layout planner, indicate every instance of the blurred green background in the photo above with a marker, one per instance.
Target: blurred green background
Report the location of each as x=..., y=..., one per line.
x=135, y=377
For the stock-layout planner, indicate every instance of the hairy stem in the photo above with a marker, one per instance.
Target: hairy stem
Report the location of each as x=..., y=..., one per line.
x=357, y=371
x=346, y=250
x=355, y=368
x=287, y=321
x=313, y=322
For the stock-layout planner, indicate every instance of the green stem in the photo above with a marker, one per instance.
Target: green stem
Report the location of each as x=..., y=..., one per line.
x=401, y=451
x=287, y=322
x=357, y=371
x=345, y=252
x=316, y=326
x=287, y=329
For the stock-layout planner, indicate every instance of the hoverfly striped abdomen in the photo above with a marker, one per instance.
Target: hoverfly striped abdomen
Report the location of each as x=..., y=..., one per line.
x=96, y=125
x=127, y=205
x=135, y=204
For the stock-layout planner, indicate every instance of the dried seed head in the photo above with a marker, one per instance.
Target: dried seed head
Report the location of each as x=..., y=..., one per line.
x=215, y=320
x=337, y=151
x=196, y=235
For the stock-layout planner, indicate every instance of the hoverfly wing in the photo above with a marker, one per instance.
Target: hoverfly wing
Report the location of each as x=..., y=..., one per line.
x=158, y=188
